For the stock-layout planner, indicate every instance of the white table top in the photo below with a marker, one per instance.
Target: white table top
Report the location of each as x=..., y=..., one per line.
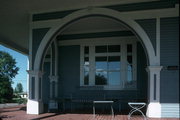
x=103, y=101
x=136, y=103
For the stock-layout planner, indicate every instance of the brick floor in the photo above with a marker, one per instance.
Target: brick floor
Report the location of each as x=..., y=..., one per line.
x=19, y=113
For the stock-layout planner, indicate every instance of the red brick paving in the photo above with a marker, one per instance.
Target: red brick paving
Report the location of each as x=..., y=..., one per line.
x=19, y=113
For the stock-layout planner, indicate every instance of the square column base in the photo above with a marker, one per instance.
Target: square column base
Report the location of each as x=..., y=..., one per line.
x=154, y=110
x=34, y=107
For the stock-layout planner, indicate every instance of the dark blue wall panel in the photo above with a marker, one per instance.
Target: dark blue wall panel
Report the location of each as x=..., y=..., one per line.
x=37, y=36
x=169, y=57
x=69, y=68
x=149, y=25
x=141, y=72
x=120, y=7
x=69, y=77
x=46, y=83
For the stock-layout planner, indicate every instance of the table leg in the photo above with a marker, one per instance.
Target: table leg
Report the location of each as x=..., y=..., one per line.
x=134, y=110
x=94, y=111
x=119, y=106
x=112, y=111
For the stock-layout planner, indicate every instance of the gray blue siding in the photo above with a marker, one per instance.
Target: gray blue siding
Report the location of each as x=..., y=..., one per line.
x=69, y=69
x=46, y=83
x=69, y=80
x=141, y=72
x=37, y=36
x=169, y=57
x=149, y=25
x=122, y=8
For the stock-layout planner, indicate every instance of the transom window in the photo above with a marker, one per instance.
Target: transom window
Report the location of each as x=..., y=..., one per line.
x=112, y=66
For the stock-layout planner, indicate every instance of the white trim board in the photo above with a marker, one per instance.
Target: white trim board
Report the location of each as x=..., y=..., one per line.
x=101, y=11
x=134, y=15
x=92, y=5
x=100, y=41
x=92, y=55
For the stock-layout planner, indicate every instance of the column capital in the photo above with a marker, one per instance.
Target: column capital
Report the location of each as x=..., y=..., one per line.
x=154, y=68
x=53, y=78
x=35, y=73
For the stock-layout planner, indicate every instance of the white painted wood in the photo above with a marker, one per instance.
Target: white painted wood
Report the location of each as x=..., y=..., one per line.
x=89, y=4
x=30, y=48
x=154, y=110
x=158, y=39
x=81, y=65
x=101, y=11
x=98, y=41
x=143, y=14
x=56, y=67
x=154, y=70
x=134, y=56
x=153, y=60
x=92, y=64
x=36, y=75
x=34, y=107
x=163, y=110
x=123, y=73
x=92, y=55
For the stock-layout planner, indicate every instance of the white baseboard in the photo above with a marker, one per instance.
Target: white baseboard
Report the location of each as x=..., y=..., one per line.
x=163, y=110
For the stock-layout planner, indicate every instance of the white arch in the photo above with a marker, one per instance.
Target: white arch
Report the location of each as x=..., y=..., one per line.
x=96, y=11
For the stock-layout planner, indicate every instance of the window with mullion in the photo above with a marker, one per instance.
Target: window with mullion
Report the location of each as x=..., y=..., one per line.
x=101, y=70
x=130, y=82
x=86, y=65
x=114, y=70
x=109, y=65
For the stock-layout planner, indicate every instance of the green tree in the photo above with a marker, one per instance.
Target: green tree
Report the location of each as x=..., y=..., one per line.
x=19, y=88
x=8, y=70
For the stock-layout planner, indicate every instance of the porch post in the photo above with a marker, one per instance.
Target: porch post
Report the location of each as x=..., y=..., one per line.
x=53, y=86
x=34, y=104
x=154, y=107
x=53, y=104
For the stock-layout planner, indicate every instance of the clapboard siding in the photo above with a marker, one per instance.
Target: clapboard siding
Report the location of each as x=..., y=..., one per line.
x=37, y=36
x=46, y=83
x=169, y=41
x=149, y=25
x=69, y=80
x=169, y=51
x=170, y=110
x=169, y=57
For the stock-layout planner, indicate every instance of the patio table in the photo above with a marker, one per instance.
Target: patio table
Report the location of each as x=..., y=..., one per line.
x=103, y=102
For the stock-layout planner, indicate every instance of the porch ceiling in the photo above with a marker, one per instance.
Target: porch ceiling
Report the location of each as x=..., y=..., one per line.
x=15, y=14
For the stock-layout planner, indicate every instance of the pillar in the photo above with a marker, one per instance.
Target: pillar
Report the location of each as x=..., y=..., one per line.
x=35, y=104
x=154, y=106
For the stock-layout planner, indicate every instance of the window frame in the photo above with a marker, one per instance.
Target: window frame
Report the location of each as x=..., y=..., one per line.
x=123, y=55
x=102, y=41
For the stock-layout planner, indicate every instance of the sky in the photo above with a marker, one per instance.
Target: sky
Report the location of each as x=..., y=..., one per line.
x=22, y=61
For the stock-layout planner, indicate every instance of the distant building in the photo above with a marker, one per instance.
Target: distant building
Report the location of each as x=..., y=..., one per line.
x=23, y=95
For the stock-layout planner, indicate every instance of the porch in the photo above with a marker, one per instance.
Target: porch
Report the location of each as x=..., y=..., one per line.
x=19, y=113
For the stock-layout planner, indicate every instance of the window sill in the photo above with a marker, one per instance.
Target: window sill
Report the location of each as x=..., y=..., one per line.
x=104, y=87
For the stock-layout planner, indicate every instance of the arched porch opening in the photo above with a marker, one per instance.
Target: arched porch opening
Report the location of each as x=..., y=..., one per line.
x=63, y=24
x=74, y=39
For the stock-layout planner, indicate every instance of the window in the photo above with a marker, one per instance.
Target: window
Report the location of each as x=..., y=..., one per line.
x=112, y=66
